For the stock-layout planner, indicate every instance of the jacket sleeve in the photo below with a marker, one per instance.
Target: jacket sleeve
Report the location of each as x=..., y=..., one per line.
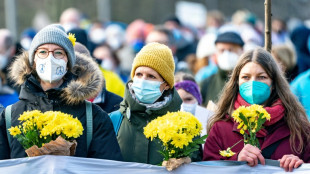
x=213, y=146
x=4, y=145
x=104, y=144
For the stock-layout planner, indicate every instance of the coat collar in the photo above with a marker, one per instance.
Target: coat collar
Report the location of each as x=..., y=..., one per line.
x=82, y=82
x=130, y=105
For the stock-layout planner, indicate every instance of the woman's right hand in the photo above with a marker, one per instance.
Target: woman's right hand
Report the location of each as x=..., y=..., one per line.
x=251, y=154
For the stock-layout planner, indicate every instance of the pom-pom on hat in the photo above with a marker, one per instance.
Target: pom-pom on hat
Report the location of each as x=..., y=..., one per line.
x=158, y=57
x=53, y=34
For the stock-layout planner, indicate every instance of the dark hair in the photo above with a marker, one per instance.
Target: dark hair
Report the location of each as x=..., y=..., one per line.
x=165, y=31
x=173, y=19
x=113, y=53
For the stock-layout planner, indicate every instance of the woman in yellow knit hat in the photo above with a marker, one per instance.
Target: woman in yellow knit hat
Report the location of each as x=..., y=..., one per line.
x=148, y=95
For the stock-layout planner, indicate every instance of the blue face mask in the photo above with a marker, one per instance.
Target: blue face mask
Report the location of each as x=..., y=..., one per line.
x=146, y=91
x=254, y=92
x=189, y=107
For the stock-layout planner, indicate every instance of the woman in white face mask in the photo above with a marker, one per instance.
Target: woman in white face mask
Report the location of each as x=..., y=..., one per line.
x=55, y=78
x=51, y=65
x=150, y=94
x=189, y=92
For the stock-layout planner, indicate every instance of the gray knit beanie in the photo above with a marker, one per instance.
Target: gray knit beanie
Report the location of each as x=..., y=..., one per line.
x=54, y=34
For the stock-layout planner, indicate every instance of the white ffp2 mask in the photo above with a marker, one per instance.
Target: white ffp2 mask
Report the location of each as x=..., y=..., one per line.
x=51, y=69
x=227, y=60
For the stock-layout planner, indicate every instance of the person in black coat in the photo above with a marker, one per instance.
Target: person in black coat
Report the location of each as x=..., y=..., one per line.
x=299, y=37
x=55, y=78
x=107, y=100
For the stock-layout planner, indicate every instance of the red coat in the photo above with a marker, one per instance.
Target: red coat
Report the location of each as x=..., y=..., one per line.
x=224, y=134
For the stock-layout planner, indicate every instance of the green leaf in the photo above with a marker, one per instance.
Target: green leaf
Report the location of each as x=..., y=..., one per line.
x=166, y=157
x=204, y=137
x=242, y=117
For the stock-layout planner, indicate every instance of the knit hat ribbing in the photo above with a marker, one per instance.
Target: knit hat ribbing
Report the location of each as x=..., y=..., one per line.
x=53, y=34
x=158, y=57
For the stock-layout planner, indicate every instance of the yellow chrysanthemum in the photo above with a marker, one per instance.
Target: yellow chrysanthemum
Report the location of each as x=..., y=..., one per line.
x=242, y=131
x=227, y=153
x=250, y=118
x=240, y=125
x=165, y=134
x=72, y=38
x=179, y=140
x=70, y=130
x=48, y=125
x=14, y=131
x=29, y=115
x=176, y=131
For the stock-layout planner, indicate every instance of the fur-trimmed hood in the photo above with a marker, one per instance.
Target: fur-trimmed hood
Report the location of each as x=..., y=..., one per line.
x=87, y=85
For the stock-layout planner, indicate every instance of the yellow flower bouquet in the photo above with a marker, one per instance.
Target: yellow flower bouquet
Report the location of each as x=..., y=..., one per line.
x=176, y=132
x=50, y=132
x=250, y=120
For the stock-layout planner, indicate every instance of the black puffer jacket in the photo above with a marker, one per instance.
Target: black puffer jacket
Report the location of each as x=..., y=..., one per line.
x=82, y=82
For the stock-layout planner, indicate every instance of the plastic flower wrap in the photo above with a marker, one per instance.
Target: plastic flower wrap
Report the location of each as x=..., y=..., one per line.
x=176, y=131
x=38, y=129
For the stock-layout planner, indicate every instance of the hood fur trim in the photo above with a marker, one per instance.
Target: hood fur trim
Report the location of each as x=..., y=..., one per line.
x=88, y=84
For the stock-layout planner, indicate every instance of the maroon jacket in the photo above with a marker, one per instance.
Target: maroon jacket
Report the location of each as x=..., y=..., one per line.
x=224, y=134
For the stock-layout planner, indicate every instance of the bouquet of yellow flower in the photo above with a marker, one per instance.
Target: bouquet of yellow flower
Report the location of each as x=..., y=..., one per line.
x=176, y=131
x=53, y=130
x=251, y=120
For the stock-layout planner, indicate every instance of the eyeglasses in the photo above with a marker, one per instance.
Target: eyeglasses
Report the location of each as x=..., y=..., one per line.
x=58, y=53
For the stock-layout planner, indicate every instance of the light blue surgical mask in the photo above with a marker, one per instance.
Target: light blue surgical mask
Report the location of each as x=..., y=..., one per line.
x=189, y=107
x=254, y=92
x=146, y=91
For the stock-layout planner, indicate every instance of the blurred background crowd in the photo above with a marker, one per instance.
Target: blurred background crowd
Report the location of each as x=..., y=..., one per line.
x=190, y=29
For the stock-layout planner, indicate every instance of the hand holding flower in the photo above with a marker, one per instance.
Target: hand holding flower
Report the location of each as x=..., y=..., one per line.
x=250, y=120
x=178, y=133
x=251, y=154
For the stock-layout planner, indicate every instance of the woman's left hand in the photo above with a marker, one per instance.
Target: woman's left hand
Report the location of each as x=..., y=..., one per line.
x=290, y=162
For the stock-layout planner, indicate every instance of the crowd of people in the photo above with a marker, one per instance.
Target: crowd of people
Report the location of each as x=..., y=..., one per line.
x=142, y=71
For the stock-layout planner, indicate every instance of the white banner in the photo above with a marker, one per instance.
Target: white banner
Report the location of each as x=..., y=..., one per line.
x=74, y=165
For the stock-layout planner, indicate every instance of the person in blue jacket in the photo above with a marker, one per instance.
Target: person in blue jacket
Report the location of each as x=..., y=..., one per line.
x=300, y=86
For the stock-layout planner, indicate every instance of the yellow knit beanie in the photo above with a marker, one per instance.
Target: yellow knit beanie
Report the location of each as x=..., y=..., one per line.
x=158, y=57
